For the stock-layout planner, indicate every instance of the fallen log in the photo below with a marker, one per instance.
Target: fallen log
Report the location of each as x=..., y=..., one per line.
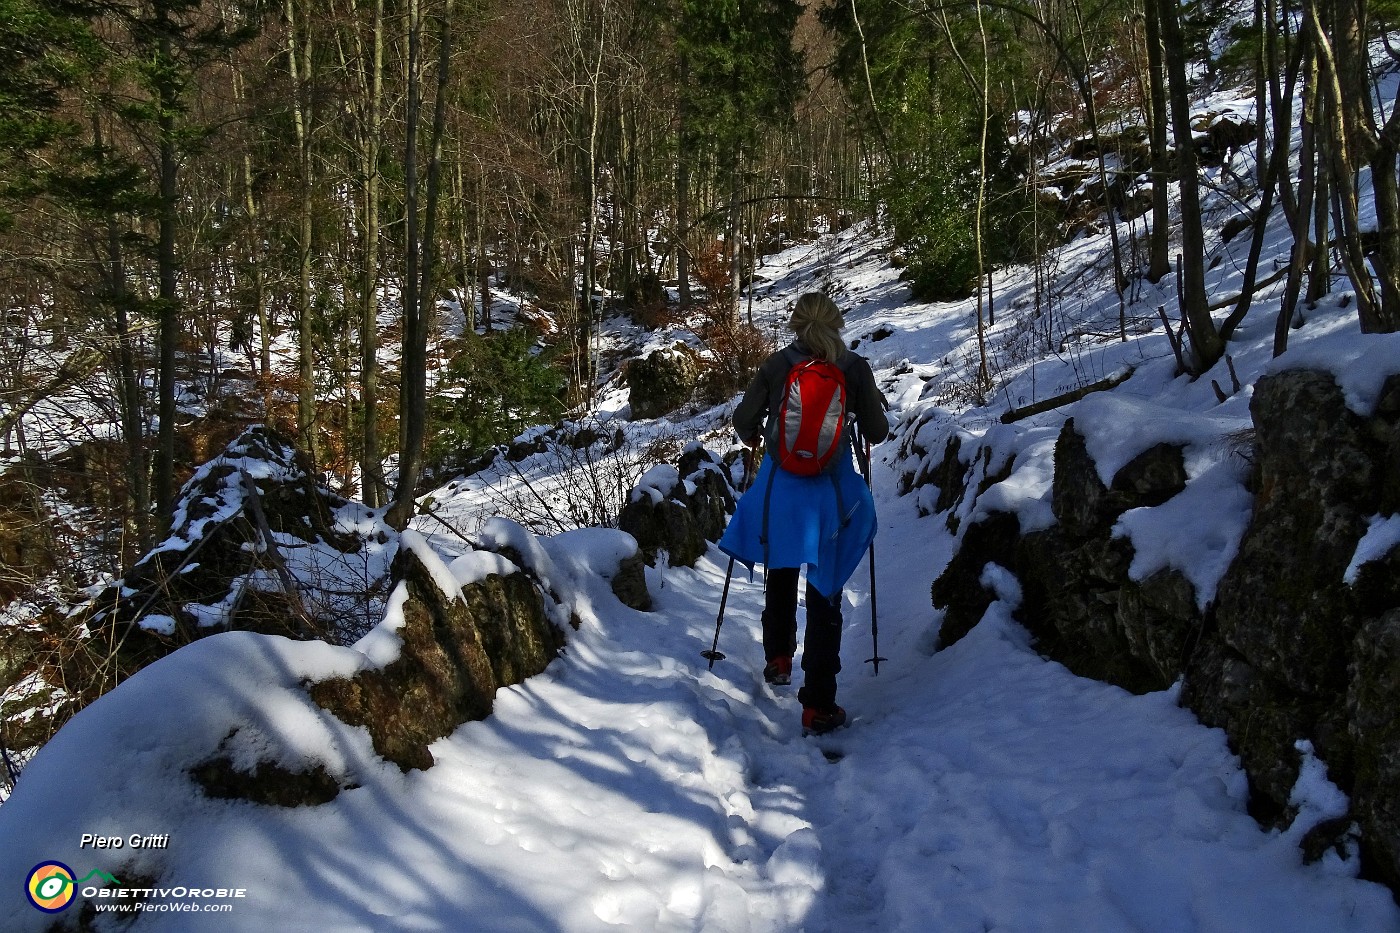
x=1016, y=414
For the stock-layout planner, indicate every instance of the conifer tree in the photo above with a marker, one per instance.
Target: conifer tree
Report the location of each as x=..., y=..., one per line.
x=46, y=47
x=741, y=77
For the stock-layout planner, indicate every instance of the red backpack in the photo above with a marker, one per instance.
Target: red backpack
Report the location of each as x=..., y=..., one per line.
x=811, y=418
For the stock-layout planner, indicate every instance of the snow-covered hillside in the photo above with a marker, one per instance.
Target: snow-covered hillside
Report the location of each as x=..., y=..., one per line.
x=629, y=786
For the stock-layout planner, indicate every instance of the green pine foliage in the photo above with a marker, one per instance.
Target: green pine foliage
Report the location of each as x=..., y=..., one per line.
x=743, y=74
x=45, y=48
x=493, y=388
x=926, y=113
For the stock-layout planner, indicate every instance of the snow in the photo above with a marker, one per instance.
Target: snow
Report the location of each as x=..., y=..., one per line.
x=1360, y=363
x=1381, y=537
x=980, y=787
x=1197, y=531
x=632, y=785
x=444, y=578
x=657, y=483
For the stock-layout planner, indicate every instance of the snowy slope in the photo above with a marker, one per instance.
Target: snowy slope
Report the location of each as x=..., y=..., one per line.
x=980, y=787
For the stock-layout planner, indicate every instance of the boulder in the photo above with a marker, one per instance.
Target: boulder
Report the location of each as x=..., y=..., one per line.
x=1283, y=603
x=458, y=650
x=679, y=510
x=1079, y=498
x=661, y=382
x=1303, y=639
x=1086, y=506
x=199, y=579
x=1080, y=601
x=629, y=584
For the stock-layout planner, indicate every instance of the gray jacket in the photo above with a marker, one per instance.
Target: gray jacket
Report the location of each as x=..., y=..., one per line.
x=863, y=397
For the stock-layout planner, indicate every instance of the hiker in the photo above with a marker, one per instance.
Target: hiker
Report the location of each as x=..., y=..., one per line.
x=825, y=521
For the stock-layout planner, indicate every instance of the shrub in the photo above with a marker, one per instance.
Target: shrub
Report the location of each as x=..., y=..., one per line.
x=493, y=388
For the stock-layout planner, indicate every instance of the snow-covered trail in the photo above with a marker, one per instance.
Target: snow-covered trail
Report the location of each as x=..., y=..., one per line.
x=630, y=787
x=983, y=788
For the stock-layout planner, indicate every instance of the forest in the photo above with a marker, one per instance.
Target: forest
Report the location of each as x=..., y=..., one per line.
x=214, y=214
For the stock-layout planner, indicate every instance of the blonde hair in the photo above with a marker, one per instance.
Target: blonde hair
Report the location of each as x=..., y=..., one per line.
x=817, y=322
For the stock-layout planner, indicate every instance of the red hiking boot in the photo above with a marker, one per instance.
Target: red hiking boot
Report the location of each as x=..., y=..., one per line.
x=778, y=672
x=821, y=721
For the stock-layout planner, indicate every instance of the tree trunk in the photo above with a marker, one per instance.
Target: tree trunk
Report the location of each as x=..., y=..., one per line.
x=414, y=390
x=371, y=471
x=1353, y=140
x=588, y=275
x=1206, y=344
x=1270, y=167
x=683, y=196
x=130, y=394
x=1159, y=262
x=299, y=59
x=984, y=374
x=1308, y=173
x=412, y=367
x=483, y=260
x=733, y=240
x=167, y=272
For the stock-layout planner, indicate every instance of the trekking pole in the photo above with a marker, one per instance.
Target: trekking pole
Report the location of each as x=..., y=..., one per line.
x=714, y=654
x=874, y=615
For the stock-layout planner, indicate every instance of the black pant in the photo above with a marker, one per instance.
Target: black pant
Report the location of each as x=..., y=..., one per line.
x=821, y=651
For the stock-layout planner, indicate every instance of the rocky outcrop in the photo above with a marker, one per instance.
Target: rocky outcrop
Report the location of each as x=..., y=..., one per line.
x=1078, y=598
x=458, y=650
x=629, y=584
x=221, y=566
x=1304, y=645
x=1301, y=643
x=662, y=381
x=679, y=510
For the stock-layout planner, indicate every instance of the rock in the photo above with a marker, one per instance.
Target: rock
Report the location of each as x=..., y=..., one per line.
x=268, y=783
x=1235, y=226
x=1086, y=506
x=958, y=591
x=1283, y=604
x=949, y=476
x=1222, y=139
x=661, y=382
x=1161, y=623
x=1073, y=604
x=1149, y=479
x=1289, y=650
x=684, y=516
x=456, y=653
x=192, y=579
x=1078, y=496
x=1262, y=718
x=629, y=585
x=1375, y=734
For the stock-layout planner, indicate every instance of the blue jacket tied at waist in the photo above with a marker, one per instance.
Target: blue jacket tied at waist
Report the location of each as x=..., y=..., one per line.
x=826, y=522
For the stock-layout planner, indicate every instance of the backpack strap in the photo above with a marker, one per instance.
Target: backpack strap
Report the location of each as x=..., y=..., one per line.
x=790, y=356
x=767, y=498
